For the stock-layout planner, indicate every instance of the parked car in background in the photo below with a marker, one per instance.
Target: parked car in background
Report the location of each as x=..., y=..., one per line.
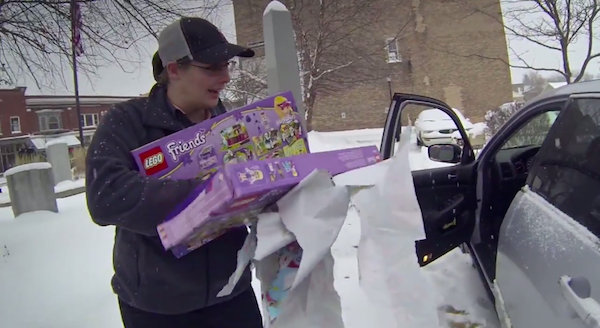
x=527, y=208
x=433, y=126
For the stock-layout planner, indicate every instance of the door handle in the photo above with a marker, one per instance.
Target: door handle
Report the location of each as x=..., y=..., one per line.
x=452, y=176
x=577, y=292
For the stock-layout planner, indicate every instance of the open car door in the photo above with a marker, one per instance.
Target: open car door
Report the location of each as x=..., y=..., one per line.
x=446, y=187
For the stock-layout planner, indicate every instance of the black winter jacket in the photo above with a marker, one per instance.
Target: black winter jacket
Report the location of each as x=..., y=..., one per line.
x=146, y=275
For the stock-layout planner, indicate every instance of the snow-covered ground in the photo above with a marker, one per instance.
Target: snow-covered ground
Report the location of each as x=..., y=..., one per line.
x=55, y=268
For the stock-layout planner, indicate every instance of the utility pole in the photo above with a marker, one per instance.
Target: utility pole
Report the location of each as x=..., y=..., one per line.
x=76, y=50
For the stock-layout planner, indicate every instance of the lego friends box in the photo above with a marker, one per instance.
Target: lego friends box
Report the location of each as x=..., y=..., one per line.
x=269, y=128
x=237, y=192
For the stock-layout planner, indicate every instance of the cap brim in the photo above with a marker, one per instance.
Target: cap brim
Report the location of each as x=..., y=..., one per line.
x=222, y=52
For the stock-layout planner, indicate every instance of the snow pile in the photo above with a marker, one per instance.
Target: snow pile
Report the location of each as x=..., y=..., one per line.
x=68, y=185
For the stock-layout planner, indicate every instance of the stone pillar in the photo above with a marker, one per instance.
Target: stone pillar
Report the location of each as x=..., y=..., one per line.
x=58, y=156
x=31, y=188
x=281, y=58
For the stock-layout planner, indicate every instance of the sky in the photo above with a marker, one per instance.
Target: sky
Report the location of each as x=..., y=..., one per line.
x=49, y=262
x=113, y=81
x=138, y=80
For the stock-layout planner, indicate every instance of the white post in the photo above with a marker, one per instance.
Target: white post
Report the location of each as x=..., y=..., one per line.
x=57, y=154
x=281, y=58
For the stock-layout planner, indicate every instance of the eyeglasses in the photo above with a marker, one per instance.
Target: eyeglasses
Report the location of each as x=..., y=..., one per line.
x=215, y=69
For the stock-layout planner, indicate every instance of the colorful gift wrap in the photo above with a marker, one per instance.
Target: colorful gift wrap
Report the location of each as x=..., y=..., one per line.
x=237, y=192
x=268, y=128
x=289, y=262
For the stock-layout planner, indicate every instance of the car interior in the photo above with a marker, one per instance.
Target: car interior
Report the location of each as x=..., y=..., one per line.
x=570, y=178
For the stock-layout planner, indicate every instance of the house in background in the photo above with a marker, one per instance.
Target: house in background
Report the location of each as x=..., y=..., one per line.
x=28, y=122
x=434, y=48
x=518, y=91
x=534, y=91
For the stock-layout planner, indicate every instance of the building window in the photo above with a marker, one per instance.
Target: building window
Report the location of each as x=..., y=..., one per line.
x=15, y=124
x=89, y=120
x=49, y=120
x=53, y=123
x=393, y=56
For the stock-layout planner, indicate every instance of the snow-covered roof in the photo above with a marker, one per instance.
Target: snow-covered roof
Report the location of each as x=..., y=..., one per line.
x=41, y=142
x=33, y=101
x=27, y=167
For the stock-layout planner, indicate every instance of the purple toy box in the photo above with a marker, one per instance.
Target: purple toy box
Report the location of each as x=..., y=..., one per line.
x=239, y=191
x=269, y=128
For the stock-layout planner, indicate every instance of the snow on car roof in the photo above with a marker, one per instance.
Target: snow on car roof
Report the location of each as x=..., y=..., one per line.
x=433, y=114
x=434, y=118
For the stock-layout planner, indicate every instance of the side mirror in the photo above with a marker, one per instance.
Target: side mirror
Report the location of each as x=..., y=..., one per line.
x=447, y=153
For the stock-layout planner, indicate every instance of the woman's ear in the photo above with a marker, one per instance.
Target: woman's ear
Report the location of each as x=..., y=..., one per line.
x=174, y=71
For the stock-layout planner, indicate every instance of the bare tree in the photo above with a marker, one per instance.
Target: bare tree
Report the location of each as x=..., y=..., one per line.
x=336, y=47
x=35, y=36
x=534, y=79
x=555, y=25
x=248, y=82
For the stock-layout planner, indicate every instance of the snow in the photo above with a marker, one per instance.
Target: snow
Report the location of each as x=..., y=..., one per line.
x=69, y=184
x=274, y=6
x=553, y=236
x=55, y=268
x=56, y=141
x=556, y=85
x=435, y=119
x=478, y=129
x=27, y=167
x=41, y=142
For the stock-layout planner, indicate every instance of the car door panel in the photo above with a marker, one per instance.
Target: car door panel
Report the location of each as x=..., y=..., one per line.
x=447, y=200
x=549, y=247
x=446, y=195
x=538, y=246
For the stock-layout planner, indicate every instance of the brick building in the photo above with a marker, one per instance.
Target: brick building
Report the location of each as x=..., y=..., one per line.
x=28, y=122
x=443, y=51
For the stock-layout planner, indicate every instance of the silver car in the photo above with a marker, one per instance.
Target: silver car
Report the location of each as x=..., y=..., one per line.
x=434, y=127
x=527, y=208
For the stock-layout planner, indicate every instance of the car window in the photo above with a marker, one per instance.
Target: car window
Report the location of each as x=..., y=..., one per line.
x=426, y=127
x=568, y=170
x=534, y=132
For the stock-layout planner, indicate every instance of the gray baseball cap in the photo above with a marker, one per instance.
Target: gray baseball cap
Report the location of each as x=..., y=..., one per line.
x=196, y=39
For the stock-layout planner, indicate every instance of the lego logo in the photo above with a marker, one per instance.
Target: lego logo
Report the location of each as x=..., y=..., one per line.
x=153, y=161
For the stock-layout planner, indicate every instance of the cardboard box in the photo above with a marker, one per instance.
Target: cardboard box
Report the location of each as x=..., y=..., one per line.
x=237, y=192
x=266, y=129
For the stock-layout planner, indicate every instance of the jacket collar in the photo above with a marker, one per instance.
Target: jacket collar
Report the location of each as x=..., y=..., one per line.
x=157, y=112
